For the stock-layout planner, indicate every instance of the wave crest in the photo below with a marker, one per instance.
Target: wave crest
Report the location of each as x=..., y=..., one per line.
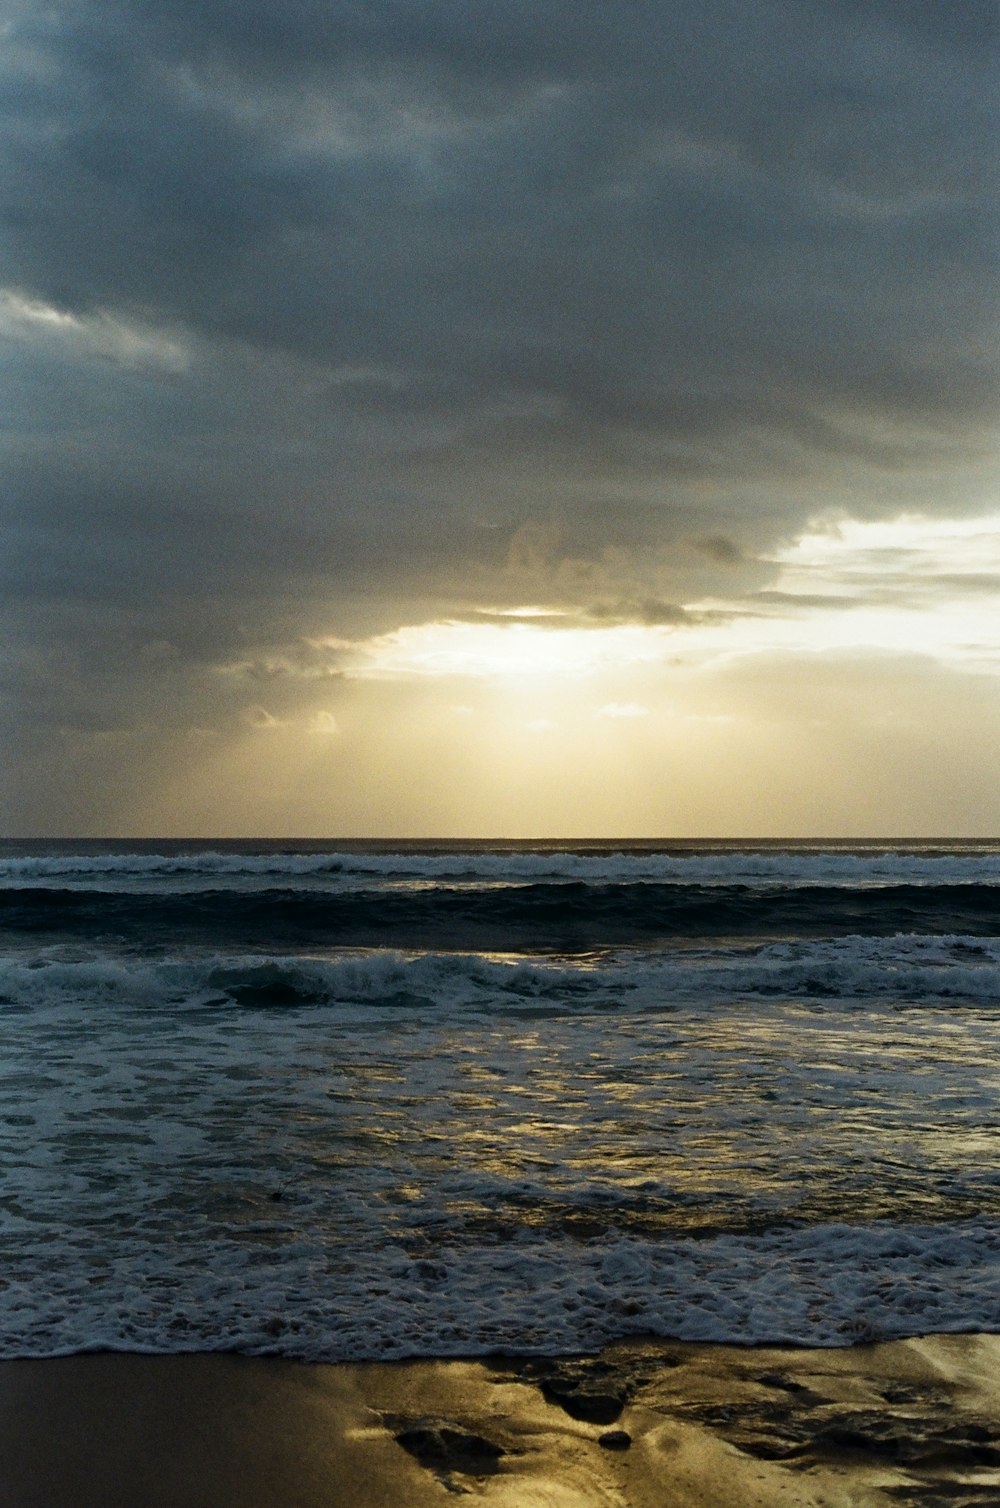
x=908, y=970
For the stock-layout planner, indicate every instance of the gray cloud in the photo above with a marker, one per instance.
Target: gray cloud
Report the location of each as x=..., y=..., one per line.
x=322, y=317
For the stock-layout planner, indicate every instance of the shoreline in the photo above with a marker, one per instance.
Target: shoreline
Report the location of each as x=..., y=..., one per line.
x=688, y=1424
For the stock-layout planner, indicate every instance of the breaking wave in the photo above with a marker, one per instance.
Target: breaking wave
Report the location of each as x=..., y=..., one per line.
x=890, y=867
x=851, y=969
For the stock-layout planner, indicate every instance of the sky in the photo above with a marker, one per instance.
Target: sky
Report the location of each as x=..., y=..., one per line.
x=439, y=417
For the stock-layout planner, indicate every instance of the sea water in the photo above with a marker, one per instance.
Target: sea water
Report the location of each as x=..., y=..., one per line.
x=367, y=1101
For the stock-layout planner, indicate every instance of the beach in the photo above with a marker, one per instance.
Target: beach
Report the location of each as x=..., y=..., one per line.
x=645, y=1423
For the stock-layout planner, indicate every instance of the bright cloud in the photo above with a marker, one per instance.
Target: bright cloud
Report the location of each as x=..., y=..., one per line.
x=901, y=553
x=622, y=709
x=82, y=337
x=258, y=717
x=323, y=722
x=520, y=651
x=910, y=585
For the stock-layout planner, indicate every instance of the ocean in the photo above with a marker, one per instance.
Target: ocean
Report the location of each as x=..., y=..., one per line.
x=372, y=1100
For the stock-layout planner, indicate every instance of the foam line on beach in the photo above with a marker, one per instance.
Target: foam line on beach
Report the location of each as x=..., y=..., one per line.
x=294, y=1296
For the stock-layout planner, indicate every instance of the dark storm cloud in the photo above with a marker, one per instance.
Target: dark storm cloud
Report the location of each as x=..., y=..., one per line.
x=523, y=199
x=318, y=313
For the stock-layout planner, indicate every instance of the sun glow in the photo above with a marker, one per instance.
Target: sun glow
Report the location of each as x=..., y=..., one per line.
x=800, y=706
x=908, y=585
x=515, y=650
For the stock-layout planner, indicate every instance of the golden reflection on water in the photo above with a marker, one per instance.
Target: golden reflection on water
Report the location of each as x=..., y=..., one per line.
x=677, y=1122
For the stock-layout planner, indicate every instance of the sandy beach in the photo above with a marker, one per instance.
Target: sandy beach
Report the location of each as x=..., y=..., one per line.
x=646, y=1423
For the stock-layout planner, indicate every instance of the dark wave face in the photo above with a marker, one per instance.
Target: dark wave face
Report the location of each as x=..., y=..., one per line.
x=558, y=915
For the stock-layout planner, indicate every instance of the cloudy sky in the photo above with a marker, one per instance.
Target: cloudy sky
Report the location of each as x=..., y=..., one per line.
x=448, y=417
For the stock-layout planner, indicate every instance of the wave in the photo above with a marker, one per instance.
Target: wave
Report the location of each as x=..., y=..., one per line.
x=732, y=867
x=824, y=1285
x=568, y=916
x=905, y=970
x=384, y=978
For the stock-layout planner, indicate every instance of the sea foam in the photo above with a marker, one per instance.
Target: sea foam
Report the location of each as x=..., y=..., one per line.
x=345, y=868
x=839, y=971
x=832, y=1286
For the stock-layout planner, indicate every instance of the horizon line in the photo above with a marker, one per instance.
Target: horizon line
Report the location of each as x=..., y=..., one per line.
x=941, y=838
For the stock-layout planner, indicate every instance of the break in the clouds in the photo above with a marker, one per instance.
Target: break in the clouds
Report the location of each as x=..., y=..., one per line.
x=335, y=335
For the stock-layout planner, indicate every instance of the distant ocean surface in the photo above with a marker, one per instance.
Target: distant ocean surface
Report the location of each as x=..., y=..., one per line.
x=424, y=1099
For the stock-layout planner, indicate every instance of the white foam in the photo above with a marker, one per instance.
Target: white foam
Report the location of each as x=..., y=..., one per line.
x=907, y=969
x=829, y=1285
x=348, y=869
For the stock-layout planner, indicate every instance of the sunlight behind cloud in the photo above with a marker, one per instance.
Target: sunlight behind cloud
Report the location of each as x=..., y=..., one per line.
x=517, y=650
x=911, y=585
x=902, y=551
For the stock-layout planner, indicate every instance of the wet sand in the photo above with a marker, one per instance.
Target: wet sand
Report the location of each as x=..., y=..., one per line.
x=646, y=1423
